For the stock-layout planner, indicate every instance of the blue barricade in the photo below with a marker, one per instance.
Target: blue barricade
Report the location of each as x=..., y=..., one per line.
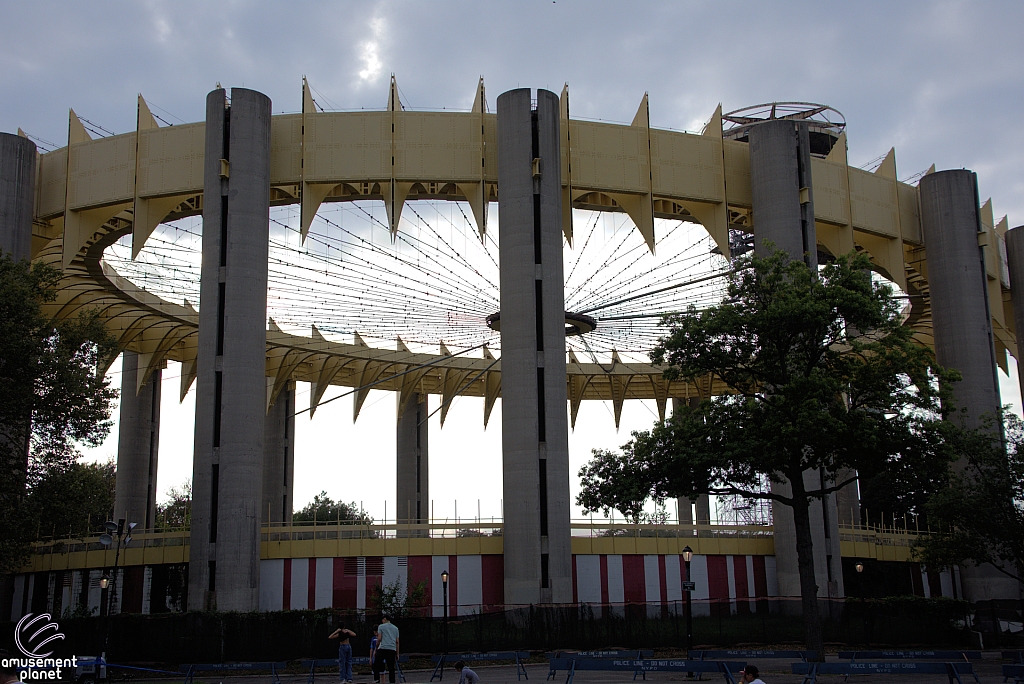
x=443, y=660
x=1015, y=656
x=754, y=654
x=910, y=655
x=572, y=665
x=1015, y=671
x=362, y=660
x=191, y=670
x=640, y=655
x=810, y=671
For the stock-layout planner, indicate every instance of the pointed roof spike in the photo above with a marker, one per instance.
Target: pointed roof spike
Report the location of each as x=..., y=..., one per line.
x=394, y=101
x=714, y=125
x=308, y=103
x=317, y=335
x=401, y=345
x=643, y=114
x=21, y=133
x=444, y=350
x=146, y=120
x=838, y=152
x=887, y=169
x=76, y=131
x=487, y=353
x=357, y=340
x=931, y=169
x=273, y=325
x=480, y=101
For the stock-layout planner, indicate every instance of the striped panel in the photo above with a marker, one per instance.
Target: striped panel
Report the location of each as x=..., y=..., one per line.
x=492, y=583
x=470, y=589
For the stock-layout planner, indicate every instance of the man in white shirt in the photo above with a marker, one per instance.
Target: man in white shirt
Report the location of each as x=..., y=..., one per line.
x=387, y=649
x=750, y=675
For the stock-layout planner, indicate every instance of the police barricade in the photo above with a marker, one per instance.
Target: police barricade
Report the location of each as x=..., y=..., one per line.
x=640, y=655
x=362, y=660
x=191, y=670
x=952, y=670
x=1013, y=656
x=572, y=665
x=804, y=656
x=1015, y=671
x=442, y=660
x=948, y=656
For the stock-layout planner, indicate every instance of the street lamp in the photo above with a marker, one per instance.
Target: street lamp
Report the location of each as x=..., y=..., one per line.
x=860, y=567
x=444, y=586
x=123, y=538
x=689, y=586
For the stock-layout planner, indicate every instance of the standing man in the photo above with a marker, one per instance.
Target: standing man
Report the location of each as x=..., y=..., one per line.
x=387, y=649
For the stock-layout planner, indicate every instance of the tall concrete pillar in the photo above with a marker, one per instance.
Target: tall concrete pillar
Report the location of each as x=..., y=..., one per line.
x=412, y=493
x=1015, y=265
x=535, y=431
x=703, y=502
x=17, y=194
x=279, y=459
x=231, y=384
x=783, y=211
x=962, y=321
x=138, y=444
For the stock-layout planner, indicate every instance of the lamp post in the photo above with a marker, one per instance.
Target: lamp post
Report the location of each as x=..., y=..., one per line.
x=123, y=538
x=687, y=557
x=444, y=586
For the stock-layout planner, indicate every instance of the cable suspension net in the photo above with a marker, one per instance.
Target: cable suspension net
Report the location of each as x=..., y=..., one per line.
x=436, y=282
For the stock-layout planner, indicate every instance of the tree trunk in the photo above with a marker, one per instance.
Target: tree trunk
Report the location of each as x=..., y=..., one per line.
x=805, y=562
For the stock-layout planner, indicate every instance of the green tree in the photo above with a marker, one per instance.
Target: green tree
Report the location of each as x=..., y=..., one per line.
x=175, y=512
x=615, y=481
x=54, y=399
x=806, y=391
x=392, y=599
x=72, y=499
x=979, y=515
x=323, y=510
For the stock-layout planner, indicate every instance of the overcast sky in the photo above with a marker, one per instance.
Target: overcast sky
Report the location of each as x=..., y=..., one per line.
x=943, y=82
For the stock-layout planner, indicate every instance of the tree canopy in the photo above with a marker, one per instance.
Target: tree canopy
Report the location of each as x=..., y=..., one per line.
x=72, y=499
x=979, y=515
x=820, y=375
x=54, y=396
x=326, y=511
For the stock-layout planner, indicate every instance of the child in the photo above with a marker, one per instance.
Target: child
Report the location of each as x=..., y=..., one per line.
x=466, y=675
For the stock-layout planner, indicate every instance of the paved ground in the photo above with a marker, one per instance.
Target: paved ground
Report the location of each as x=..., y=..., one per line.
x=772, y=672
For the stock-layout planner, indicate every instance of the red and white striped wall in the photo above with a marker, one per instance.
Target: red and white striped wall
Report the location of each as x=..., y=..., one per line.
x=476, y=583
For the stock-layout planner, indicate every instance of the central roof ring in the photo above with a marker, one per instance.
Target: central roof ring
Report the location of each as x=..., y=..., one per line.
x=575, y=324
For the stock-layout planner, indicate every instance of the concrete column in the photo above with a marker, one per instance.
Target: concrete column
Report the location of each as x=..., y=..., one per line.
x=138, y=444
x=783, y=211
x=412, y=493
x=1015, y=265
x=535, y=432
x=279, y=459
x=961, y=320
x=703, y=503
x=17, y=194
x=231, y=385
